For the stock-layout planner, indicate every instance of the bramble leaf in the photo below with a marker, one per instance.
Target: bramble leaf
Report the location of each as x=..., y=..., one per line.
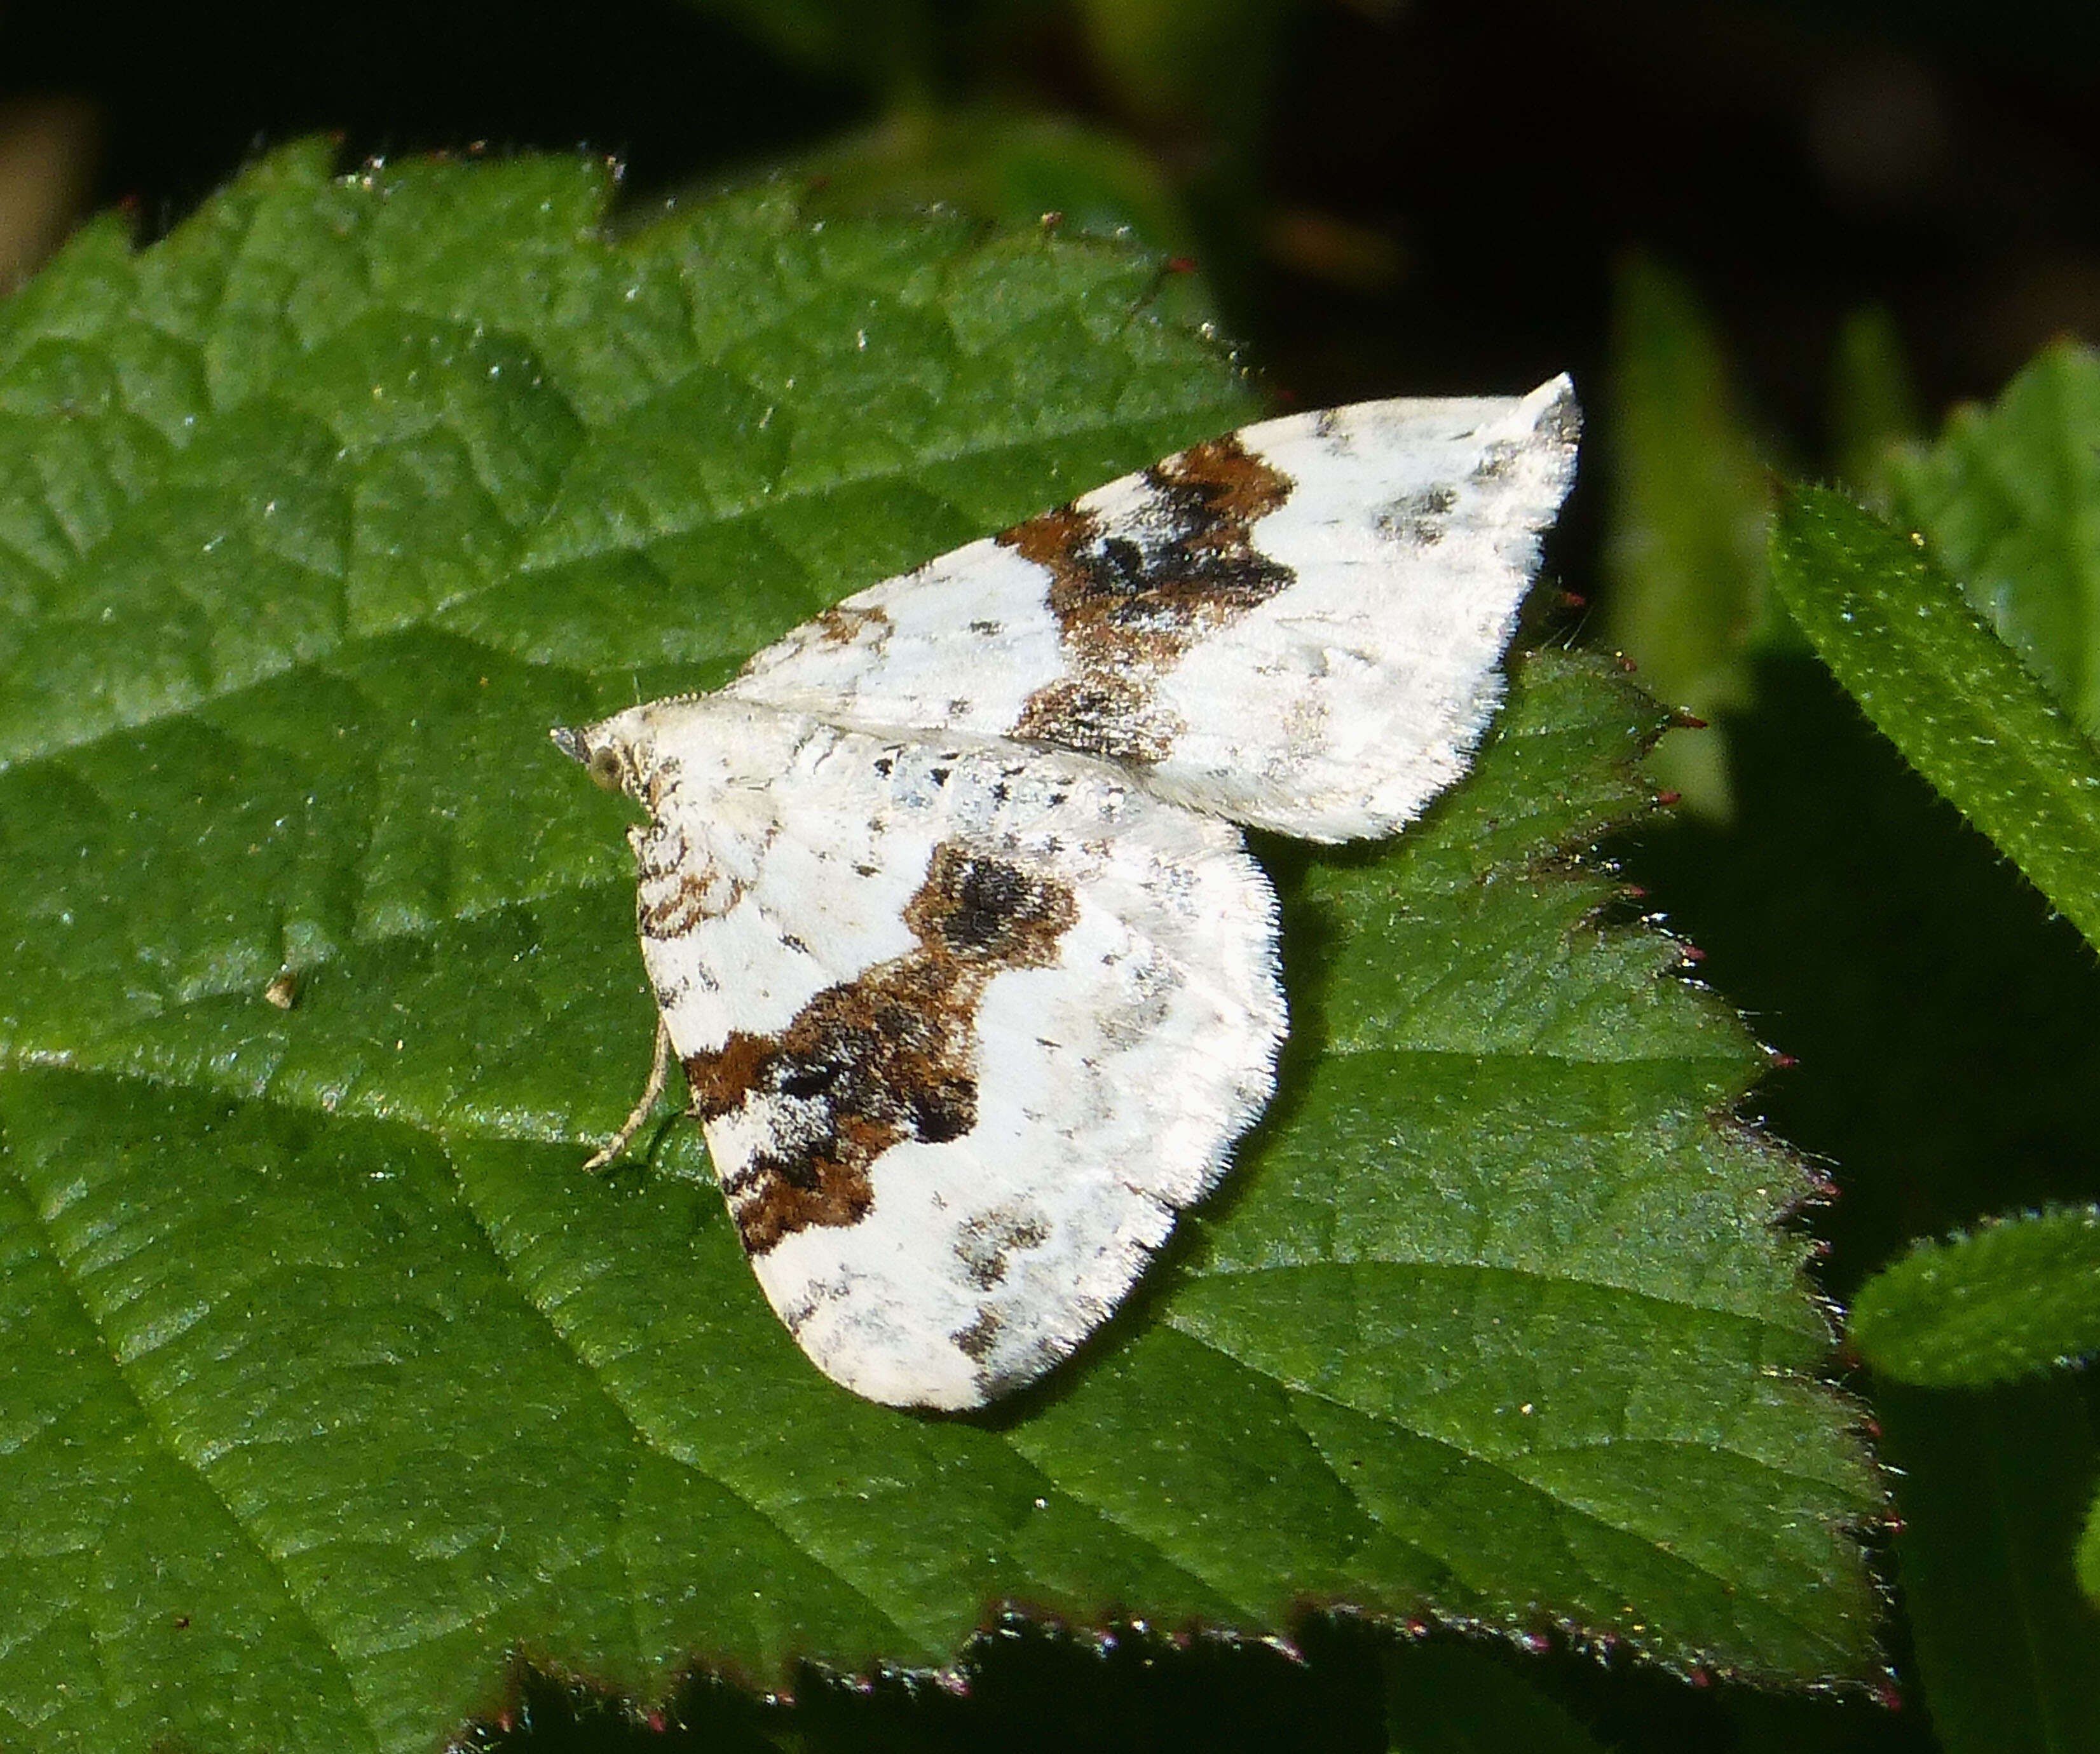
x=333, y=1380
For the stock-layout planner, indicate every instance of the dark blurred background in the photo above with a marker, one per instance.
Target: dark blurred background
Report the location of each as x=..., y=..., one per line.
x=1386, y=194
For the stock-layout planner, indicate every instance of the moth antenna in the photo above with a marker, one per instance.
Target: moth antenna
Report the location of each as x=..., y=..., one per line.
x=659, y=1073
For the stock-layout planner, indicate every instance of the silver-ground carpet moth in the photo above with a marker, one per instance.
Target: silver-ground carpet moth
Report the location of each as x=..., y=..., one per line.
x=944, y=898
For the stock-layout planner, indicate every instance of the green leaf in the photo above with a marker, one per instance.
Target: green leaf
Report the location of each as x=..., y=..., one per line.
x=1686, y=554
x=1874, y=413
x=2010, y=498
x=2087, y=1560
x=1175, y=61
x=885, y=44
x=2017, y=1296
x=1994, y=1485
x=333, y=1380
x=1446, y=1698
x=1017, y=168
x=1944, y=689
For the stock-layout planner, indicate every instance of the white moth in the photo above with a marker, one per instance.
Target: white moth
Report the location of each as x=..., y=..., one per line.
x=949, y=921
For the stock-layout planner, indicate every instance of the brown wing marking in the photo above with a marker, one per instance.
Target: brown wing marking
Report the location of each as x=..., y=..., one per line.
x=889, y=1057
x=1132, y=595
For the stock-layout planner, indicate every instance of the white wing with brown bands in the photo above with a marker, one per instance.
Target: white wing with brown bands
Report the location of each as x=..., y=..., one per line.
x=1297, y=626
x=966, y=1024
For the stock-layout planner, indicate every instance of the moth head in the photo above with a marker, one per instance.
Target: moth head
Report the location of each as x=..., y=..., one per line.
x=608, y=758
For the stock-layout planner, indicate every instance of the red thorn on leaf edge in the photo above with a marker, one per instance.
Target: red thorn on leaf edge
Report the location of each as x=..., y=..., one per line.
x=1692, y=953
x=1686, y=721
x=1666, y=799
x=1573, y=600
x=1180, y=264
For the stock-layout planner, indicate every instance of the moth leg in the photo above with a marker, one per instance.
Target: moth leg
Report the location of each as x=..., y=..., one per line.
x=658, y=1074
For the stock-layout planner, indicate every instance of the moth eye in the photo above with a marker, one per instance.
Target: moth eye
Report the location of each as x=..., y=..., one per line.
x=604, y=766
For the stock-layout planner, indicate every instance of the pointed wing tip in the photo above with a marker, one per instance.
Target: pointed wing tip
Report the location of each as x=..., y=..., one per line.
x=1554, y=409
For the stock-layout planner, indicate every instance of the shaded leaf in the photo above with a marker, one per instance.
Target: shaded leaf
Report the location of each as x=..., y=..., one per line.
x=1686, y=555
x=2087, y=1560
x=2013, y=1299
x=1447, y=1700
x=1017, y=168
x=887, y=44
x=2011, y=497
x=1178, y=60
x=1948, y=1031
x=1874, y=411
x=1946, y=692
x=2008, y=1648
